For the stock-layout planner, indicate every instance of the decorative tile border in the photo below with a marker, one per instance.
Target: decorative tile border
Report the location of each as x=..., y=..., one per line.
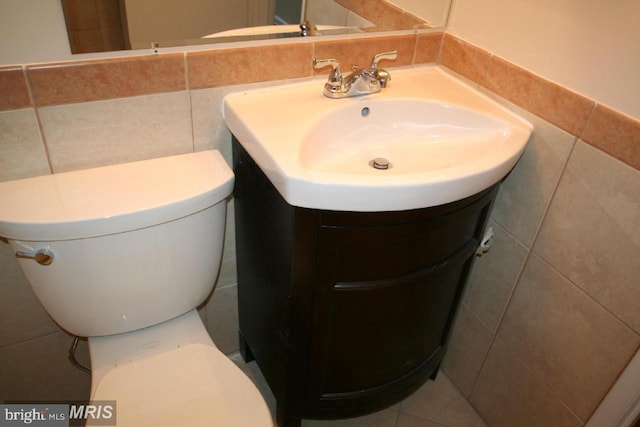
x=13, y=89
x=92, y=80
x=464, y=58
x=83, y=81
x=225, y=67
x=615, y=134
x=360, y=51
x=556, y=104
x=428, y=48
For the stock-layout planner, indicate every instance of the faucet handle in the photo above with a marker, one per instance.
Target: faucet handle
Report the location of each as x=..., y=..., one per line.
x=393, y=54
x=336, y=74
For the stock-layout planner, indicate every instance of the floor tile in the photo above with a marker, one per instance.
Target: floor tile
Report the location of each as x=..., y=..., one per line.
x=436, y=404
x=442, y=402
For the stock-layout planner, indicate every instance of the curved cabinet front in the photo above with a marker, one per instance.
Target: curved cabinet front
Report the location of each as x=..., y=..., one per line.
x=347, y=312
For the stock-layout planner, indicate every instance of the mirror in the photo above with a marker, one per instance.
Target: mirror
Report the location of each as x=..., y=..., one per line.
x=109, y=25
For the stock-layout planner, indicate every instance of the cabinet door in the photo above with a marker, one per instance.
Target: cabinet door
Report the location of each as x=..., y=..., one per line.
x=383, y=302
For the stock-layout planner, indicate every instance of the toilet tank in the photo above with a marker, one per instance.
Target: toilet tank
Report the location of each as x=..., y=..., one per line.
x=133, y=244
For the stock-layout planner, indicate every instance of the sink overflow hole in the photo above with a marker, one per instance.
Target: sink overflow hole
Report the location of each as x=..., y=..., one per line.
x=365, y=112
x=380, y=163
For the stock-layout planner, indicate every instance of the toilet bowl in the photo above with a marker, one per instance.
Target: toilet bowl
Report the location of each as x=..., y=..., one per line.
x=177, y=377
x=124, y=255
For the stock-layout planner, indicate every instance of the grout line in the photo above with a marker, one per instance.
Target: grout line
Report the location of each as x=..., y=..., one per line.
x=530, y=252
x=313, y=56
x=190, y=98
x=415, y=49
x=591, y=298
x=588, y=121
x=29, y=340
x=397, y=416
x=36, y=111
x=485, y=73
x=440, y=49
x=542, y=383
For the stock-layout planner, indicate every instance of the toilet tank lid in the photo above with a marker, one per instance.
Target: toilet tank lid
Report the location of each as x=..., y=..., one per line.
x=112, y=199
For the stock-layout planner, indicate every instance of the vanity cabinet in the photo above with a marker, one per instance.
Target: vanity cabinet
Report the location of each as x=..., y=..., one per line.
x=347, y=313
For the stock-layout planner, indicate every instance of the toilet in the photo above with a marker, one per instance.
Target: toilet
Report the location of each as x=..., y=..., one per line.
x=124, y=255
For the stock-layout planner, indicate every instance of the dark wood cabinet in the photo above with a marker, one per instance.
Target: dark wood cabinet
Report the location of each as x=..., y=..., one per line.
x=347, y=312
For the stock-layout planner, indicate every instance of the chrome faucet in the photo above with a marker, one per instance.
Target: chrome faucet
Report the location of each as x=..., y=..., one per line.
x=361, y=81
x=307, y=29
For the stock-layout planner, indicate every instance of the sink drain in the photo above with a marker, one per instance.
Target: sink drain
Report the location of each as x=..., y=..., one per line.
x=380, y=163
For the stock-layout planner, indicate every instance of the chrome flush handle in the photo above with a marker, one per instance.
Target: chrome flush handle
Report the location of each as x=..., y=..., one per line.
x=41, y=256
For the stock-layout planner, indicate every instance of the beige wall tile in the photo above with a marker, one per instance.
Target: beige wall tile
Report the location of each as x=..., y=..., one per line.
x=508, y=395
x=209, y=129
x=526, y=193
x=228, y=274
x=40, y=370
x=468, y=346
x=23, y=318
x=591, y=232
x=84, y=81
x=222, y=318
x=101, y=133
x=565, y=338
x=22, y=152
x=494, y=276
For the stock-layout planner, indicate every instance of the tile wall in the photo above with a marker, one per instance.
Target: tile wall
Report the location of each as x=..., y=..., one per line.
x=549, y=319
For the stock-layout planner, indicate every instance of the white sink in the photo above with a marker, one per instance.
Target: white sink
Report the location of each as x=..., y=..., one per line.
x=443, y=140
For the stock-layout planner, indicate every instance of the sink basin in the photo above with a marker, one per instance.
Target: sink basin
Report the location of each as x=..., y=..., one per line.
x=426, y=140
x=415, y=136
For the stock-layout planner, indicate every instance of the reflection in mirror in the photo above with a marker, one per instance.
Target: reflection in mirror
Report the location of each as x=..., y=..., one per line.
x=108, y=25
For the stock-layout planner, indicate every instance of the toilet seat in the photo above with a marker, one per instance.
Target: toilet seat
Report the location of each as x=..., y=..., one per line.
x=193, y=385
